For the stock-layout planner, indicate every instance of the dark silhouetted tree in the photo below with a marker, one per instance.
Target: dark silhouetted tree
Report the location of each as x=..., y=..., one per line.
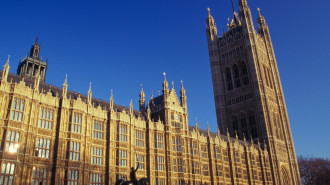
x=314, y=171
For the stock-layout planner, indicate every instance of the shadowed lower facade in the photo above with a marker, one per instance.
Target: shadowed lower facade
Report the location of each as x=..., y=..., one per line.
x=50, y=135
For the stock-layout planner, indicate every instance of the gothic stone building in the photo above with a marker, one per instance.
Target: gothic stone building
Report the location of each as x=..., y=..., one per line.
x=50, y=135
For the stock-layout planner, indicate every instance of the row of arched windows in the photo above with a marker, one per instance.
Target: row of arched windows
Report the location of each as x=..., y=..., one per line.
x=237, y=75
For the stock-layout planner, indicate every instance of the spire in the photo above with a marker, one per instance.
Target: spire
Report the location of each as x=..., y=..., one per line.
x=5, y=70
x=89, y=97
x=265, y=145
x=111, y=100
x=208, y=128
x=228, y=135
x=148, y=112
x=219, y=131
x=165, y=84
x=259, y=144
x=196, y=124
x=65, y=87
x=236, y=136
x=142, y=100
x=262, y=26
x=183, y=97
x=244, y=138
x=251, y=140
x=211, y=28
x=131, y=107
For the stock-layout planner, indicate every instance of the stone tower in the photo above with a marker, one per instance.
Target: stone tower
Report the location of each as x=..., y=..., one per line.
x=247, y=89
x=32, y=64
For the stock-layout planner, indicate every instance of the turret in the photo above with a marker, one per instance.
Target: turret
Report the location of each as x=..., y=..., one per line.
x=183, y=97
x=131, y=108
x=5, y=71
x=165, y=88
x=245, y=15
x=111, y=101
x=211, y=29
x=89, y=96
x=262, y=26
x=142, y=100
x=65, y=87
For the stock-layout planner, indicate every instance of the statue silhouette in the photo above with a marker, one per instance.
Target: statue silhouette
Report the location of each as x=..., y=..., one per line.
x=133, y=174
x=134, y=180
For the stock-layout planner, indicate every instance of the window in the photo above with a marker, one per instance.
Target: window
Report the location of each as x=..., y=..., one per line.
x=203, y=151
x=205, y=169
x=243, y=158
x=17, y=109
x=177, y=144
x=179, y=165
x=122, y=132
x=74, y=151
x=218, y=170
x=229, y=80
x=225, y=155
x=236, y=156
x=12, y=141
x=45, y=118
x=236, y=76
x=96, y=179
x=244, y=126
x=76, y=122
x=122, y=158
x=159, y=163
x=39, y=176
x=42, y=147
x=159, y=140
x=227, y=172
x=194, y=148
x=217, y=153
x=7, y=173
x=98, y=129
x=270, y=78
x=235, y=124
x=160, y=181
x=195, y=167
x=73, y=177
x=238, y=173
x=139, y=159
x=253, y=126
x=139, y=138
x=97, y=154
x=245, y=77
x=122, y=177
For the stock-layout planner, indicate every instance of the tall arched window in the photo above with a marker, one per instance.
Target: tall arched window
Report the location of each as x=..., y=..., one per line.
x=235, y=124
x=244, y=127
x=270, y=78
x=245, y=77
x=253, y=126
x=266, y=76
x=236, y=76
x=229, y=80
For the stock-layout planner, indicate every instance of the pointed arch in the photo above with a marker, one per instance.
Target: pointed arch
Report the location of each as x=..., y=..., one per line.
x=245, y=77
x=285, y=176
x=229, y=80
x=236, y=76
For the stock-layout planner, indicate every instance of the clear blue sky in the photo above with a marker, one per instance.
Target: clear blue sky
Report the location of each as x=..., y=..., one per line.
x=120, y=44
